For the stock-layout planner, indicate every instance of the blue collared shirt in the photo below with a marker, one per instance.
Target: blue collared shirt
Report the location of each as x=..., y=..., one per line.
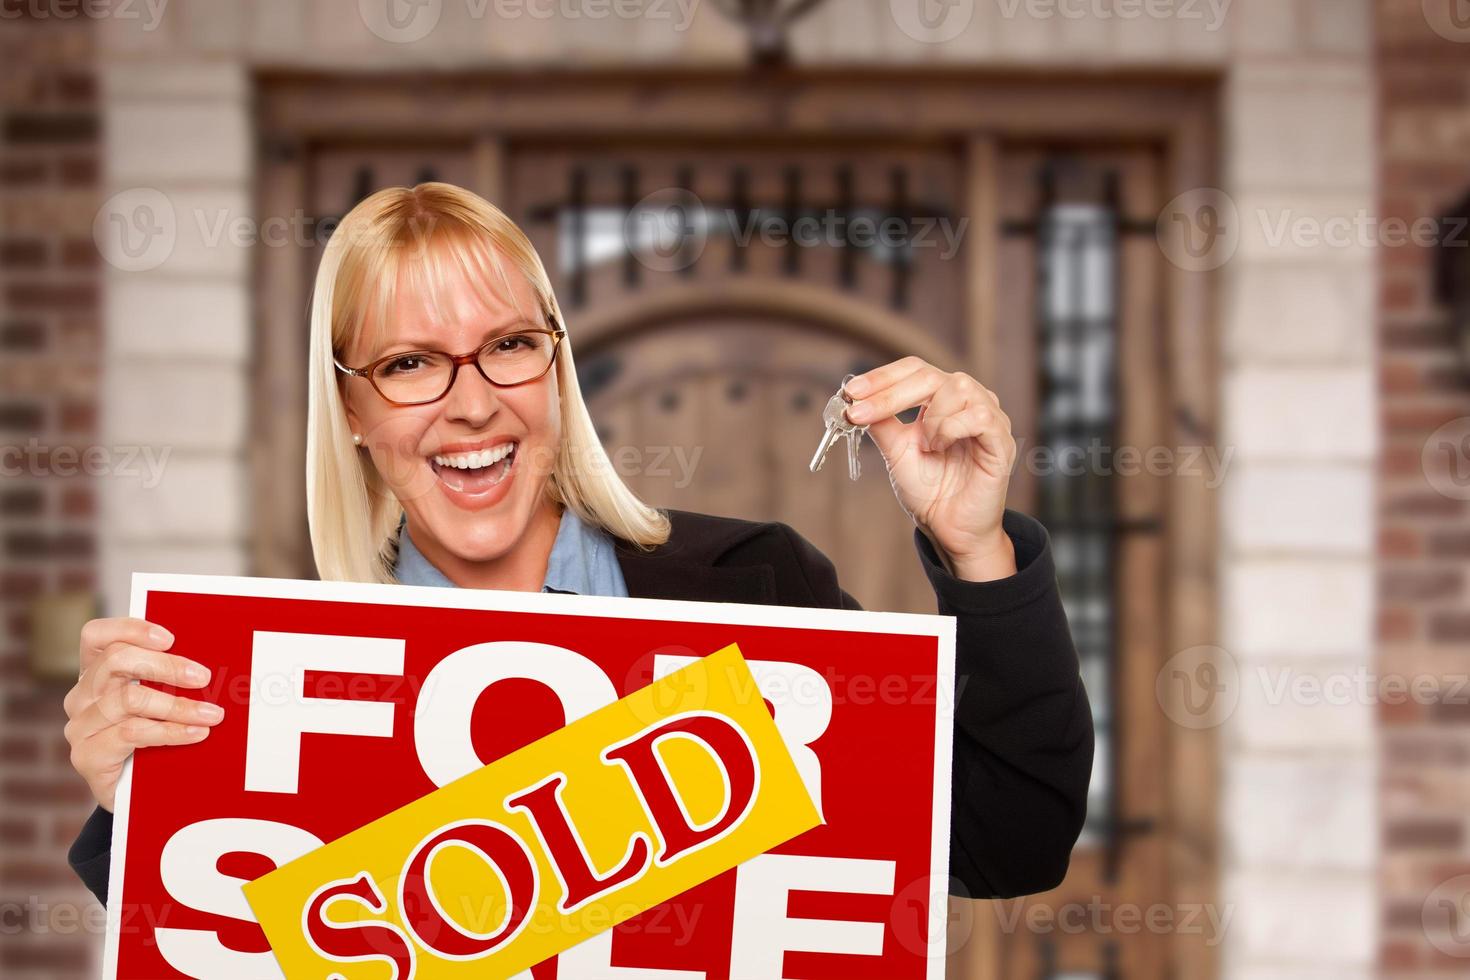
x=582, y=561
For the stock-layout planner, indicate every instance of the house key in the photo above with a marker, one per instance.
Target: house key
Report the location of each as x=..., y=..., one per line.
x=834, y=417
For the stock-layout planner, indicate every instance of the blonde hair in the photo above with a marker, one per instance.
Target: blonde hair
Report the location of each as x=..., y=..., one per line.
x=352, y=513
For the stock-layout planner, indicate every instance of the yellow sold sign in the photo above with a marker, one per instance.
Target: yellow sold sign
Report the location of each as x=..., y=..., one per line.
x=609, y=816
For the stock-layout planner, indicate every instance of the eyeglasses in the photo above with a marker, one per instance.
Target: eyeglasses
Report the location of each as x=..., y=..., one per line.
x=421, y=377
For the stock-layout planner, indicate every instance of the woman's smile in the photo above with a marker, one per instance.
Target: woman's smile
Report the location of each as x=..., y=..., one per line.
x=475, y=475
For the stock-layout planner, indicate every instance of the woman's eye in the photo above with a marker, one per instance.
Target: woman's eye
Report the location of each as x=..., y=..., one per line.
x=510, y=344
x=403, y=365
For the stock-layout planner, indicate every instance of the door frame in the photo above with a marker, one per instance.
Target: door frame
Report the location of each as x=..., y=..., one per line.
x=488, y=113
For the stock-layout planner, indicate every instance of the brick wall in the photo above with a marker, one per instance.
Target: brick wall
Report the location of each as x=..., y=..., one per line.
x=1297, y=345
x=1424, y=536
x=49, y=366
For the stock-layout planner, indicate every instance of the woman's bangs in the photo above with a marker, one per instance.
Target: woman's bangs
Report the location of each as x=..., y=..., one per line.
x=456, y=256
x=429, y=270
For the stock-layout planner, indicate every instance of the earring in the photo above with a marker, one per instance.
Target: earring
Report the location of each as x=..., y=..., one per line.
x=357, y=438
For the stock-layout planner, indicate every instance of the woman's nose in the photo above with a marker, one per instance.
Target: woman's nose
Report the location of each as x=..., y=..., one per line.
x=471, y=398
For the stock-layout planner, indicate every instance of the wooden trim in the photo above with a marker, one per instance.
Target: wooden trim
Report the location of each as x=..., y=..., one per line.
x=279, y=546
x=982, y=260
x=1193, y=364
x=491, y=177
x=862, y=105
x=821, y=307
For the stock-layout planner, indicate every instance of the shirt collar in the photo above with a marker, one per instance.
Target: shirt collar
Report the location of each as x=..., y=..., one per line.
x=580, y=556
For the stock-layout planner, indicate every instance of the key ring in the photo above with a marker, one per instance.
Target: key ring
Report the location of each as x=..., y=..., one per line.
x=842, y=390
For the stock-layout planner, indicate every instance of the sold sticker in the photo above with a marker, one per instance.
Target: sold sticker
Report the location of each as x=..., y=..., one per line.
x=587, y=827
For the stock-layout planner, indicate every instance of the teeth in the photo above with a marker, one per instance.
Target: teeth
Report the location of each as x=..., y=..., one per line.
x=478, y=460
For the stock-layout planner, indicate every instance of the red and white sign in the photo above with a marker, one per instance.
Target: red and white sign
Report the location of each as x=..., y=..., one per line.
x=309, y=751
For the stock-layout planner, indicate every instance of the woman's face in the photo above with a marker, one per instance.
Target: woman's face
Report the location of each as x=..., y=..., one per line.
x=433, y=456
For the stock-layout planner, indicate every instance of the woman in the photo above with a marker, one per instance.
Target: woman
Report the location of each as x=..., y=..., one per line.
x=448, y=444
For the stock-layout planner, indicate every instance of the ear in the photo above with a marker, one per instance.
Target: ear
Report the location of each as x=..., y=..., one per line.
x=353, y=422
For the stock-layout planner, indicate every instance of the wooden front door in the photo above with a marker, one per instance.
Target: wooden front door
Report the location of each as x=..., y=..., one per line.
x=730, y=334
x=704, y=358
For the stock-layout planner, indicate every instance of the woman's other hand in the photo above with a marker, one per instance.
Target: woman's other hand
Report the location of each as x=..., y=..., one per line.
x=110, y=714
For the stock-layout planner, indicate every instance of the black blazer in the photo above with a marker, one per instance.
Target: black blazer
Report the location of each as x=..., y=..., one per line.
x=1023, y=729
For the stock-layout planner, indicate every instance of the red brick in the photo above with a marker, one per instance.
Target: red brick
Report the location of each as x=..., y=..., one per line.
x=22, y=502
x=19, y=625
x=1446, y=378
x=1405, y=713
x=41, y=544
x=65, y=829
x=1398, y=377
x=1402, y=294
x=22, y=253
x=1418, y=336
x=1423, y=833
x=1396, y=624
x=17, y=831
x=1430, y=504
x=78, y=502
x=69, y=957
x=1454, y=712
x=51, y=127
x=78, y=417
x=1450, y=544
x=75, y=86
x=22, y=173
x=22, y=335
x=65, y=789
x=33, y=872
x=1418, y=86
x=52, y=296
x=1449, y=627
x=1420, y=418
x=16, y=584
x=1399, y=542
x=15, y=667
x=79, y=171
x=1401, y=461
x=1420, y=584
x=21, y=416
x=79, y=580
x=19, y=748
x=36, y=705
x=1444, y=177
x=78, y=330
x=1397, y=956
x=1439, y=963
x=80, y=253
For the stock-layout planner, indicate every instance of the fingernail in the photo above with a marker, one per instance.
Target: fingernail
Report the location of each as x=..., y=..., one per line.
x=160, y=636
x=856, y=413
x=195, y=731
x=856, y=386
x=211, y=712
x=197, y=673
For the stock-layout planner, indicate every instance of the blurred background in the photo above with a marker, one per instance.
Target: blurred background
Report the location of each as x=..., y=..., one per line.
x=1212, y=255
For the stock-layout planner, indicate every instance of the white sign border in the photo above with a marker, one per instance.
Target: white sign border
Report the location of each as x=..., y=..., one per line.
x=942, y=628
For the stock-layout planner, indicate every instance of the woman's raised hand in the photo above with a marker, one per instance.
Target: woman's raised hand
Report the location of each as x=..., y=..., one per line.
x=110, y=714
x=951, y=466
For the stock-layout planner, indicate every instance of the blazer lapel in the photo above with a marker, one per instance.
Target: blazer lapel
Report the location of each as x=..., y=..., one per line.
x=656, y=576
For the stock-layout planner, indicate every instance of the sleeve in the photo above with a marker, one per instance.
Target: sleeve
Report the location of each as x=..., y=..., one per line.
x=91, y=853
x=1023, y=737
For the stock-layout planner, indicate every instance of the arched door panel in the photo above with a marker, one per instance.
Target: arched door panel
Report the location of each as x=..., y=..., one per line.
x=722, y=414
